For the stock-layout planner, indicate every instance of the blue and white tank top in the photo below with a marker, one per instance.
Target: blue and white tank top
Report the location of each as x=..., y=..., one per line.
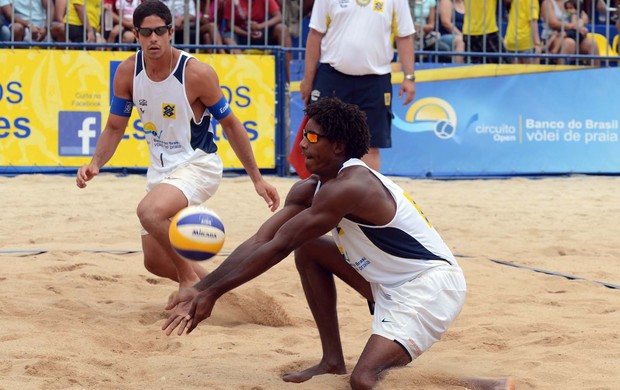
x=172, y=133
x=398, y=251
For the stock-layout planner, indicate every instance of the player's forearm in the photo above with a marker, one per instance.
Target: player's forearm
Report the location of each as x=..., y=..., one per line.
x=231, y=263
x=240, y=143
x=254, y=263
x=239, y=258
x=106, y=146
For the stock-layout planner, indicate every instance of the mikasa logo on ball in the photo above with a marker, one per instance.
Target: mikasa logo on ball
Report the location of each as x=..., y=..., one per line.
x=203, y=233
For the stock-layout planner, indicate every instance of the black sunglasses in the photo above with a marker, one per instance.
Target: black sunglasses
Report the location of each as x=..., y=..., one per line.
x=146, y=31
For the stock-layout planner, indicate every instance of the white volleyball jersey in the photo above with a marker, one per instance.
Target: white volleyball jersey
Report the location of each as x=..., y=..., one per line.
x=172, y=133
x=359, y=33
x=398, y=251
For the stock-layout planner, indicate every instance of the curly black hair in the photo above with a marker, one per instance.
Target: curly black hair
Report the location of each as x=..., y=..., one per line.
x=341, y=121
x=150, y=8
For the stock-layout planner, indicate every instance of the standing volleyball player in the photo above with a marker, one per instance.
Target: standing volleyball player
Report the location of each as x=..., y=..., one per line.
x=176, y=96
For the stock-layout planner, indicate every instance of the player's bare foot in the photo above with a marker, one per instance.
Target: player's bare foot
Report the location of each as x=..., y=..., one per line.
x=509, y=384
x=319, y=369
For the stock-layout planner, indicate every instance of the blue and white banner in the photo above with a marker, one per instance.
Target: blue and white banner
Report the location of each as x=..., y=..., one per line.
x=536, y=123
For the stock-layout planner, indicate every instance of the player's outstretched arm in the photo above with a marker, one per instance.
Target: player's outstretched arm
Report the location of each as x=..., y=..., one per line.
x=204, y=82
x=120, y=111
x=327, y=209
x=298, y=199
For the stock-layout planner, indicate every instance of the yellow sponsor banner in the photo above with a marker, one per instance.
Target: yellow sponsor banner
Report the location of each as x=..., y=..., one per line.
x=54, y=105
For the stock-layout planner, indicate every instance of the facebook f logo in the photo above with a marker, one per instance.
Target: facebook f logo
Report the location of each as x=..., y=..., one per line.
x=85, y=133
x=78, y=132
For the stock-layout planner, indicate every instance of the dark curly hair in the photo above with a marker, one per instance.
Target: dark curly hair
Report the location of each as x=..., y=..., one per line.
x=342, y=122
x=150, y=8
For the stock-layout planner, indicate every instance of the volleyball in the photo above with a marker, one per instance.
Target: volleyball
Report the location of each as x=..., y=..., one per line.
x=196, y=233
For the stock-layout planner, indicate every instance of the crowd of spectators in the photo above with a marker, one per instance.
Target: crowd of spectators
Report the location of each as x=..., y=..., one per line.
x=526, y=28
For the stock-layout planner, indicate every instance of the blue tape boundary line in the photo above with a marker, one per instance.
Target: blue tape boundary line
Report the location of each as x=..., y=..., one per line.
x=508, y=263
x=32, y=252
x=567, y=276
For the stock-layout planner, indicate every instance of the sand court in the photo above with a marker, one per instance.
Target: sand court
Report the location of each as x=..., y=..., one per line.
x=78, y=309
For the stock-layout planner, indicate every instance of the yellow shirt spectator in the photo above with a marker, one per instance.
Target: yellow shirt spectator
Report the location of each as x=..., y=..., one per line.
x=93, y=10
x=523, y=17
x=480, y=17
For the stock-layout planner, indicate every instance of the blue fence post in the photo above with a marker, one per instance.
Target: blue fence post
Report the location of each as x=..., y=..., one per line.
x=281, y=131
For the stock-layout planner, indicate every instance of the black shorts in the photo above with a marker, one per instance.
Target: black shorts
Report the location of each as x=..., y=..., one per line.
x=493, y=43
x=76, y=33
x=371, y=93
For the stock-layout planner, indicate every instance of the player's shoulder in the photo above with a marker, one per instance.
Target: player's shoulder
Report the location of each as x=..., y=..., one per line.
x=198, y=68
x=303, y=191
x=130, y=61
x=123, y=76
x=355, y=180
x=354, y=174
x=128, y=65
x=199, y=74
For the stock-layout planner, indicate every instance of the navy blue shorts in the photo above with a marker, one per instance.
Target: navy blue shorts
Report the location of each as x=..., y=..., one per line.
x=76, y=33
x=371, y=93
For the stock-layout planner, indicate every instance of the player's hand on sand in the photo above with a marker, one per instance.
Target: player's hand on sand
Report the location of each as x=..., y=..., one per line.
x=202, y=306
x=269, y=193
x=181, y=303
x=85, y=173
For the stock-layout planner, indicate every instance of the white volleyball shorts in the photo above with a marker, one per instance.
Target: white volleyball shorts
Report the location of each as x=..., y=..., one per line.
x=417, y=313
x=198, y=179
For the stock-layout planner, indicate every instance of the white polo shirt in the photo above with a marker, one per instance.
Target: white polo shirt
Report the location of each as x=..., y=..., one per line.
x=358, y=33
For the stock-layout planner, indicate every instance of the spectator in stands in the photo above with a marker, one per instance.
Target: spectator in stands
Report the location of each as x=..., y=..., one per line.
x=579, y=31
x=553, y=33
x=84, y=22
x=522, y=32
x=571, y=17
x=293, y=15
x=554, y=17
x=423, y=13
x=27, y=19
x=177, y=7
x=57, y=27
x=123, y=20
x=451, y=15
x=209, y=24
x=600, y=9
x=5, y=33
x=480, y=31
x=257, y=28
